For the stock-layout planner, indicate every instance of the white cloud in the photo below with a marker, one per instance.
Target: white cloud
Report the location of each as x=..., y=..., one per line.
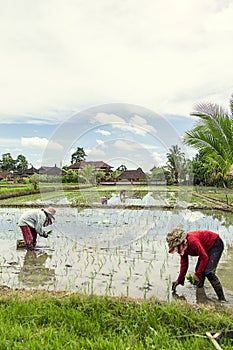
x=78, y=54
x=81, y=54
x=136, y=124
x=34, y=142
x=9, y=142
x=159, y=160
x=149, y=146
x=100, y=142
x=97, y=153
x=103, y=132
x=39, y=142
x=108, y=118
x=126, y=145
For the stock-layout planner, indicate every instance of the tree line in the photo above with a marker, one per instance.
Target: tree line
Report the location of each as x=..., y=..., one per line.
x=7, y=163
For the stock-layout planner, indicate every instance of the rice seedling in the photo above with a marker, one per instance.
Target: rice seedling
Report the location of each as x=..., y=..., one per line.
x=127, y=286
x=190, y=278
x=93, y=275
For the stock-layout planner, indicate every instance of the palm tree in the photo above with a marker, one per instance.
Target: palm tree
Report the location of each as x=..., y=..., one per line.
x=213, y=134
x=175, y=159
x=78, y=155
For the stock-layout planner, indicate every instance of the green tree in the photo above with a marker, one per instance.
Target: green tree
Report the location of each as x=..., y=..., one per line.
x=121, y=168
x=21, y=162
x=175, y=160
x=7, y=163
x=78, y=155
x=205, y=171
x=213, y=134
x=87, y=174
x=100, y=176
x=186, y=173
x=115, y=174
x=70, y=176
x=34, y=179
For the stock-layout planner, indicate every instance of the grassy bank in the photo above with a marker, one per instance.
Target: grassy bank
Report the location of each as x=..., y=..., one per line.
x=60, y=321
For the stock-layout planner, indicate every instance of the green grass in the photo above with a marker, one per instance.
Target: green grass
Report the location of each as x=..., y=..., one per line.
x=49, y=196
x=48, y=321
x=13, y=188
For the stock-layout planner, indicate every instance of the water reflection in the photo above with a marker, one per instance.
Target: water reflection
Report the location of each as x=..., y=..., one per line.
x=200, y=296
x=224, y=218
x=125, y=248
x=148, y=198
x=34, y=273
x=225, y=268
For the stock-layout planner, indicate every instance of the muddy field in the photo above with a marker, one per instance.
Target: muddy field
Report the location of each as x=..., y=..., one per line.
x=111, y=252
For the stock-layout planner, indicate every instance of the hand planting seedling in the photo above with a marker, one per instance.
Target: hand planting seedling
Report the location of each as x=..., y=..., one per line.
x=190, y=278
x=49, y=232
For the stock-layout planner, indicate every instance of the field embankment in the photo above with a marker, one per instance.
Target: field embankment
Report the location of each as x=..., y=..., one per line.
x=36, y=320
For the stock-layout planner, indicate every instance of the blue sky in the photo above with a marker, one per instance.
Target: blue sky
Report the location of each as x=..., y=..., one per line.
x=59, y=59
x=115, y=133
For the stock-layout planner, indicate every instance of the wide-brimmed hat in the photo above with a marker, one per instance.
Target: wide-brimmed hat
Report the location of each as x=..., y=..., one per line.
x=175, y=237
x=50, y=211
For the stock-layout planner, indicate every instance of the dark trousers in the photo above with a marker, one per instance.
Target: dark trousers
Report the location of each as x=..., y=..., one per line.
x=214, y=255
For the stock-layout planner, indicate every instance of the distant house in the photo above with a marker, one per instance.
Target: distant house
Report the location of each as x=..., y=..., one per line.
x=7, y=175
x=45, y=170
x=26, y=173
x=97, y=165
x=52, y=171
x=132, y=176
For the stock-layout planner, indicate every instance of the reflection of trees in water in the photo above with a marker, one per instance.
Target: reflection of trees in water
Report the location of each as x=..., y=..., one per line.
x=224, y=218
x=225, y=268
x=34, y=273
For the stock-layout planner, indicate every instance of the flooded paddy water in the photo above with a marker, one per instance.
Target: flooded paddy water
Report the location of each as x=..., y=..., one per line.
x=112, y=251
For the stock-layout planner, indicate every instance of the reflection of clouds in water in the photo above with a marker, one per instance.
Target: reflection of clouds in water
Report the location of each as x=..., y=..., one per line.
x=187, y=220
x=113, y=227
x=156, y=198
x=148, y=200
x=192, y=216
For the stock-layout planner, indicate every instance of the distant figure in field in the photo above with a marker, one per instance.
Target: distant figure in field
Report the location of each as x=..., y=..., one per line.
x=122, y=194
x=104, y=200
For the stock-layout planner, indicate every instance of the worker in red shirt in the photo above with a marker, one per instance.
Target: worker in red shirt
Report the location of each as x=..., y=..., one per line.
x=208, y=246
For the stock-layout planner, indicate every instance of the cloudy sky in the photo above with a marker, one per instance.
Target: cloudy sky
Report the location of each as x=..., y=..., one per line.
x=60, y=58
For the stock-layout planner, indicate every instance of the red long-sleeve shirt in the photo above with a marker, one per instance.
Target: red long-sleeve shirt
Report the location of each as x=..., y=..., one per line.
x=199, y=243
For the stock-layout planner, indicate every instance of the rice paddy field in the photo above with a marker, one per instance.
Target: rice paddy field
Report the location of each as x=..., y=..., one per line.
x=114, y=249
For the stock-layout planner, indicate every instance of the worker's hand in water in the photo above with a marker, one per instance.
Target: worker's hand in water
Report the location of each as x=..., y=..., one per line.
x=196, y=279
x=174, y=285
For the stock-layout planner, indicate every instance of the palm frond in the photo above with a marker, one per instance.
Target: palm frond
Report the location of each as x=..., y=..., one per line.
x=199, y=138
x=209, y=109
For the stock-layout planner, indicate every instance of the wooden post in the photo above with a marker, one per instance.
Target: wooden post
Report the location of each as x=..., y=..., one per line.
x=214, y=341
